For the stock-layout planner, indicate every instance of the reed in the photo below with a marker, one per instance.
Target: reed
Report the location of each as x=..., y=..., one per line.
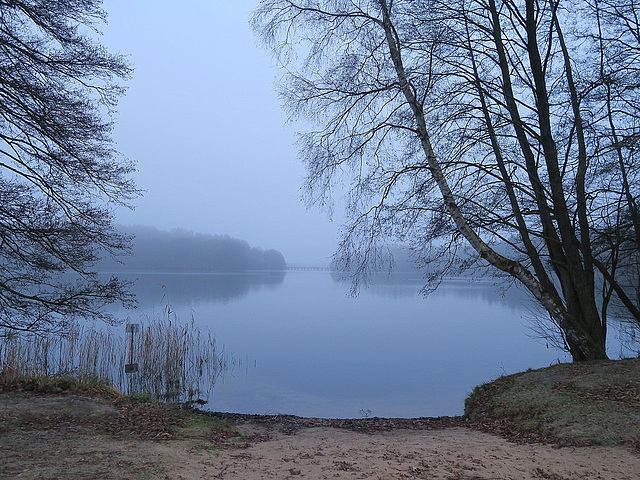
x=176, y=362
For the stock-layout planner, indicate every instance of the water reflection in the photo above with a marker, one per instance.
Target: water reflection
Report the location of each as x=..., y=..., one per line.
x=177, y=289
x=492, y=291
x=309, y=348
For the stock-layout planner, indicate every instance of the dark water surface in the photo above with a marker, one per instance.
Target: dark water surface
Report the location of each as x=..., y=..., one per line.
x=297, y=343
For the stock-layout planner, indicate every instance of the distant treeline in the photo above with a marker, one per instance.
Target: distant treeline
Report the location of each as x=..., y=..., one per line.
x=396, y=258
x=390, y=259
x=184, y=251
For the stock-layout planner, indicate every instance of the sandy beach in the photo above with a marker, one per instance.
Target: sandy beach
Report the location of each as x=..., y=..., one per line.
x=457, y=453
x=54, y=437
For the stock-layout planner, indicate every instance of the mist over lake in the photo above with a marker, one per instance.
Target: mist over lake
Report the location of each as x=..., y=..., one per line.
x=298, y=343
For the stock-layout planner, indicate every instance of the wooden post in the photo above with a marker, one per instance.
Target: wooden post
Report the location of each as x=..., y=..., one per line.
x=131, y=367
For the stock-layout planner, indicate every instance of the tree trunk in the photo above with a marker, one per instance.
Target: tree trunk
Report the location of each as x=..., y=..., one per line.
x=583, y=342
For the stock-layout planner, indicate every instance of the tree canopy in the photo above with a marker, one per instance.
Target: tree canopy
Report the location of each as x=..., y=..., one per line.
x=470, y=124
x=60, y=176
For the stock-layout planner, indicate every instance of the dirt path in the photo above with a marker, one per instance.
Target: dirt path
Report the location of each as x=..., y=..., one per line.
x=70, y=437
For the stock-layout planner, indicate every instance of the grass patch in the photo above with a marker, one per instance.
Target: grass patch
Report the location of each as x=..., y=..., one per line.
x=212, y=432
x=594, y=403
x=85, y=385
x=108, y=438
x=142, y=397
x=203, y=421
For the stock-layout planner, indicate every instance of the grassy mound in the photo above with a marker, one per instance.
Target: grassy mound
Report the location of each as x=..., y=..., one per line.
x=594, y=403
x=87, y=385
x=96, y=431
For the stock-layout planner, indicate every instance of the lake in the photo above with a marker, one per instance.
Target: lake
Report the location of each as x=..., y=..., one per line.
x=298, y=343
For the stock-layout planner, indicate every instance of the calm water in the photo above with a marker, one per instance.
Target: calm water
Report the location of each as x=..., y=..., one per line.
x=299, y=344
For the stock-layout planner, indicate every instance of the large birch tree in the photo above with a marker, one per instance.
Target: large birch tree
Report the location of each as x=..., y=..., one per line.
x=503, y=127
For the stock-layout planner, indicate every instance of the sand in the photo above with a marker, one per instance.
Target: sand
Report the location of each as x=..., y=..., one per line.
x=458, y=453
x=55, y=437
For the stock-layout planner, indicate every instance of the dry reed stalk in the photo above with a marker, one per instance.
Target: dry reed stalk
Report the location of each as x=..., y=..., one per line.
x=176, y=362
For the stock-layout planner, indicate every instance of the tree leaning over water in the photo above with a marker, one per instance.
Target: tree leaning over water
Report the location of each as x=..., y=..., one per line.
x=505, y=128
x=60, y=176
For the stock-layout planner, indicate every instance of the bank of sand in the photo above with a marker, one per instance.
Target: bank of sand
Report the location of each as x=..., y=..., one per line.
x=56, y=437
x=456, y=453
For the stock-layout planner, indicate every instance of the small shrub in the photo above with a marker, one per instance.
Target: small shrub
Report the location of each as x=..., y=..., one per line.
x=142, y=397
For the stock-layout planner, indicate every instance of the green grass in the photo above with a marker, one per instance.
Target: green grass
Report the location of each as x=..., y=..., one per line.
x=205, y=421
x=142, y=397
x=569, y=404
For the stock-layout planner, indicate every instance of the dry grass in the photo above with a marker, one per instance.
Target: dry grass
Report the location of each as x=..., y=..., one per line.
x=176, y=361
x=53, y=436
x=570, y=404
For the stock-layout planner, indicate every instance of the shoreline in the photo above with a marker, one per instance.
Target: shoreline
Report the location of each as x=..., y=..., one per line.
x=369, y=424
x=112, y=436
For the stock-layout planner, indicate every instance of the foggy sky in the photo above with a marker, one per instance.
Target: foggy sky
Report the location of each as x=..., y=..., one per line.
x=203, y=122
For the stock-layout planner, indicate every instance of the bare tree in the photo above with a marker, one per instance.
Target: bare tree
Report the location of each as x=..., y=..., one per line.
x=468, y=125
x=613, y=94
x=60, y=176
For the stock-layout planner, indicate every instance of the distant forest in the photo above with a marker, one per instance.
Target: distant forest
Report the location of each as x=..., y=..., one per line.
x=183, y=251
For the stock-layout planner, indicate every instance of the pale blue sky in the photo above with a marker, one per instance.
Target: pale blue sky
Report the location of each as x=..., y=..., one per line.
x=203, y=122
